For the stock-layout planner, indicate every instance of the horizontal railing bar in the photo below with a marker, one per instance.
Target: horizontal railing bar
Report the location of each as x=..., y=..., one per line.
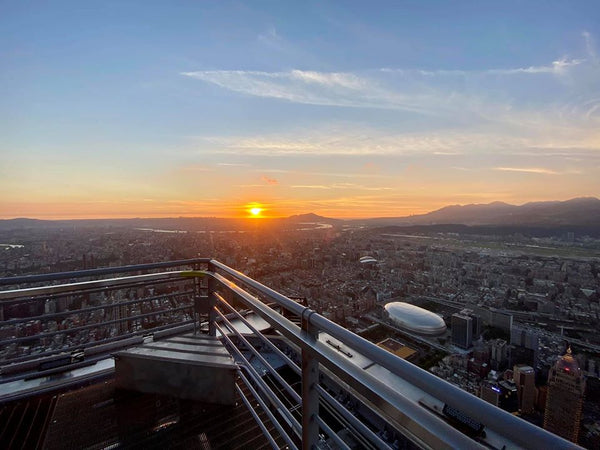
x=104, y=283
x=100, y=271
x=186, y=325
x=279, y=322
x=257, y=419
x=499, y=420
x=273, y=399
x=85, y=291
x=424, y=427
x=504, y=423
x=280, y=299
x=349, y=417
x=51, y=316
x=33, y=361
x=332, y=434
x=355, y=376
x=291, y=364
x=266, y=409
x=263, y=361
x=92, y=325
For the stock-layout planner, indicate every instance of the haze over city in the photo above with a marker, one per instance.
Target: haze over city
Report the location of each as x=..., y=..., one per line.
x=344, y=109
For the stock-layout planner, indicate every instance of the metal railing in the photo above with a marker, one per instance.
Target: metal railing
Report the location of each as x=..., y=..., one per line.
x=39, y=319
x=306, y=413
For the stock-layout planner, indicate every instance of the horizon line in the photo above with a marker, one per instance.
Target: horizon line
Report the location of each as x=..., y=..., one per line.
x=56, y=219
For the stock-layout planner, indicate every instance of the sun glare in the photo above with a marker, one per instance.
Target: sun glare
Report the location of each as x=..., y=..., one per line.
x=255, y=211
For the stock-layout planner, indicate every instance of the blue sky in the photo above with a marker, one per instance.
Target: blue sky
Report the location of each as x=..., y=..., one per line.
x=346, y=109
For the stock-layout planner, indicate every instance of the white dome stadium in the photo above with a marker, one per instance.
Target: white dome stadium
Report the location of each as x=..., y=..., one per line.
x=367, y=260
x=415, y=319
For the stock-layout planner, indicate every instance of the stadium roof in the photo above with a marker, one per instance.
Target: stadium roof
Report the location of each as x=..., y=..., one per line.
x=415, y=319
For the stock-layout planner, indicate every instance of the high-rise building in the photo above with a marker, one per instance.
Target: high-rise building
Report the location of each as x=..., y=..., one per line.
x=564, y=403
x=462, y=330
x=499, y=354
x=524, y=378
x=500, y=319
x=525, y=337
x=475, y=322
x=525, y=345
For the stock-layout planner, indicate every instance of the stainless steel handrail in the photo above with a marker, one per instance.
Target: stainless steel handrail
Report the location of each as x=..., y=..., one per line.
x=501, y=421
x=25, y=279
x=94, y=284
x=39, y=294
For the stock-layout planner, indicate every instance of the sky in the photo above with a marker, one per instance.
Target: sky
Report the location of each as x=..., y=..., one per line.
x=345, y=109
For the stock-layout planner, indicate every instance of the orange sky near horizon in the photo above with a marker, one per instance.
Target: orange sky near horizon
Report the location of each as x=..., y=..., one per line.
x=124, y=210
x=350, y=208
x=156, y=111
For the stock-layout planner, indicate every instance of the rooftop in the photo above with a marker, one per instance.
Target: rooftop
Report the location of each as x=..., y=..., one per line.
x=415, y=319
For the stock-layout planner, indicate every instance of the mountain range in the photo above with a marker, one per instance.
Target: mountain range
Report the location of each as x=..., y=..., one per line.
x=583, y=211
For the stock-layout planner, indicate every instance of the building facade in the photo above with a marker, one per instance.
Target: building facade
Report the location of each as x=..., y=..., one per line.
x=524, y=378
x=462, y=330
x=564, y=402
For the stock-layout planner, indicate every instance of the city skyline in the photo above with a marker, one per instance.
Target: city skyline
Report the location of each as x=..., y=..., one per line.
x=341, y=109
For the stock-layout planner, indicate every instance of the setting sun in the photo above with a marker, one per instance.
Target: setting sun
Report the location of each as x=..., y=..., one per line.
x=255, y=211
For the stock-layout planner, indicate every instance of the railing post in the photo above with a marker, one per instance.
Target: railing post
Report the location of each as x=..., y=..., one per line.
x=310, y=393
x=197, y=299
x=212, y=301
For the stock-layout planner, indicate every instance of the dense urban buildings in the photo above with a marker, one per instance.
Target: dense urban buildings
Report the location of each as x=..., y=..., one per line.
x=504, y=306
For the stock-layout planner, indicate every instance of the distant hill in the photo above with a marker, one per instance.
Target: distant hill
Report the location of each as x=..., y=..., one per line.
x=584, y=211
x=312, y=218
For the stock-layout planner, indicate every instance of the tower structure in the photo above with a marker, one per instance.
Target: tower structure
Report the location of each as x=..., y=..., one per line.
x=525, y=344
x=524, y=378
x=499, y=354
x=462, y=330
x=564, y=403
x=475, y=322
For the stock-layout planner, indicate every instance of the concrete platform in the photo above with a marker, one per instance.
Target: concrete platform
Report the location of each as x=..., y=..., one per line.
x=194, y=367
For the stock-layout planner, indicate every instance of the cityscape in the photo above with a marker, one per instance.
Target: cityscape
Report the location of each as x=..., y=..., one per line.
x=327, y=224
x=513, y=309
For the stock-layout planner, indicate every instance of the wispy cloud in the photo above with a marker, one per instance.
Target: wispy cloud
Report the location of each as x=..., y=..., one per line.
x=233, y=164
x=539, y=109
x=557, y=67
x=536, y=170
x=310, y=186
x=496, y=95
x=316, y=88
x=545, y=137
x=342, y=186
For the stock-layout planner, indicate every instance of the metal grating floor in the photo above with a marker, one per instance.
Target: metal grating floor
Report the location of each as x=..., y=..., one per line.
x=100, y=417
